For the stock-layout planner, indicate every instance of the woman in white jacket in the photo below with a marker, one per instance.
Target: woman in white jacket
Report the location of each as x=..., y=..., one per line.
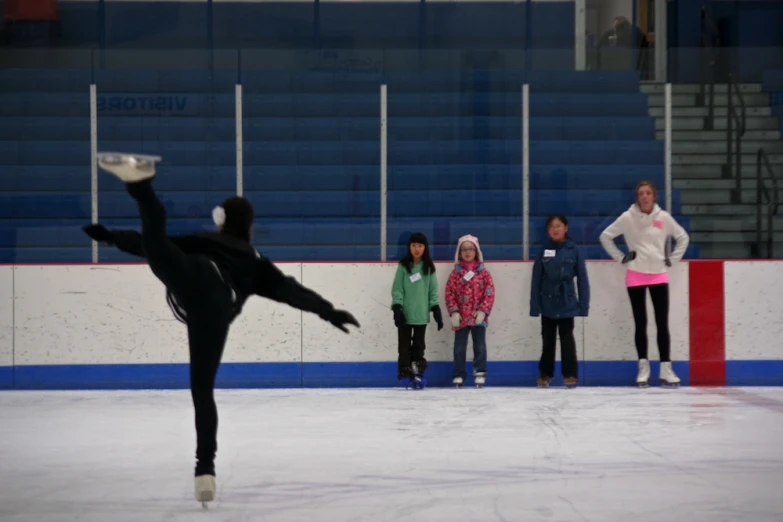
x=646, y=229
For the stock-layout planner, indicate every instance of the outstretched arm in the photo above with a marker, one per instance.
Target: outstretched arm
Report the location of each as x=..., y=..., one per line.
x=129, y=241
x=273, y=284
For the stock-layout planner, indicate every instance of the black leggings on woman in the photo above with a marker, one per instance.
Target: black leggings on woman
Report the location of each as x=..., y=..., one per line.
x=660, y=300
x=207, y=301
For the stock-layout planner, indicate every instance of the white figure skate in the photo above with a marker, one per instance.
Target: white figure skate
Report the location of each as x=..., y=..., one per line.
x=205, y=489
x=668, y=378
x=643, y=377
x=481, y=379
x=130, y=168
x=457, y=382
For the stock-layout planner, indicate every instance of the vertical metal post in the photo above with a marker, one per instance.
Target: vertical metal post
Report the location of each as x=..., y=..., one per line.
x=661, y=42
x=238, y=119
x=668, y=145
x=94, y=163
x=580, y=28
x=383, y=170
x=759, y=182
x=526, y=172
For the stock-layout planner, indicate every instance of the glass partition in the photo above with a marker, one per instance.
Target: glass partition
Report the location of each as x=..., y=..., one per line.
x=179, y=104
x=349, y=139
x=45, y=155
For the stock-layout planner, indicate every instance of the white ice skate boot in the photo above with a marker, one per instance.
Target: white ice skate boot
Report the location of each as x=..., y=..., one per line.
x=481, y=379
x=643, y=377
x=130, y=168
x=668, y=378
x=457, y=381
x=205, y=489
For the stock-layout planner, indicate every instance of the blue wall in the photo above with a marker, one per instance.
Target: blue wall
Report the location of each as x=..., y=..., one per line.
x=502, y=25
x=751, y=30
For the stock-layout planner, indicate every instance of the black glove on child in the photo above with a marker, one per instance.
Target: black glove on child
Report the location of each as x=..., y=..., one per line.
x=630, y=256
x=99, y=233
x=399, y=317
x=436, y=313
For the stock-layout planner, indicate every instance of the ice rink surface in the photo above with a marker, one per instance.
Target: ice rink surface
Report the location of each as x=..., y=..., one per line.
x=497, y=454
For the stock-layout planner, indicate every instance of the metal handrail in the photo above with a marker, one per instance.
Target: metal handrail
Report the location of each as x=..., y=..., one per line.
x=735, y=136
x=772, y=202
x=709, y=46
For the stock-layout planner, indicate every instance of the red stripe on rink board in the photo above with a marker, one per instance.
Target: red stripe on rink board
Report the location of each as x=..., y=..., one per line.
x=707, y=320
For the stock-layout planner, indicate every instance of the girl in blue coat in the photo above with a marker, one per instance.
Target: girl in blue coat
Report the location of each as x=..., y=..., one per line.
x=553, y=296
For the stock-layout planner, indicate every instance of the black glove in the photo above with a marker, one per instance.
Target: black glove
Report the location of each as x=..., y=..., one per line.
x=668, y=263
x=339, y=318
x=399, y=317
x=99, y=233
x=436, y=313
x=630, y=256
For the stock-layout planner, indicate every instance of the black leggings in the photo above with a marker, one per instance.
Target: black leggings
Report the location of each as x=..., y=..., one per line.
x=207, y=301
x=549, y=331
x=410, y=348
x=660, y=300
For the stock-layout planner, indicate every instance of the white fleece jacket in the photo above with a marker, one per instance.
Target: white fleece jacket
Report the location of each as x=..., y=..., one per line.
x=646, y=234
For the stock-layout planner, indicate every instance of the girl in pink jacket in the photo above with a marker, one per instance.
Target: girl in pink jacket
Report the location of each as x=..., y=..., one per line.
x=470, y=295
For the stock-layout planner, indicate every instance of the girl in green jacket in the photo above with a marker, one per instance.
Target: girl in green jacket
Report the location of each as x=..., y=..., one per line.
x=414, y=296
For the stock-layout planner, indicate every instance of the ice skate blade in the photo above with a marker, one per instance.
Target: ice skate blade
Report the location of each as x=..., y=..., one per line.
x=130, y=168
x=643, y=384
x=670, y=385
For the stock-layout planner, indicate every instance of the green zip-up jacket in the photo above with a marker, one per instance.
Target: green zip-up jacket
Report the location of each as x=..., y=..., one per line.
x=416, y=297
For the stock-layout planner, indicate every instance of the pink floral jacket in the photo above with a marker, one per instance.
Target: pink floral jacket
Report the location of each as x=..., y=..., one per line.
x=470, y=291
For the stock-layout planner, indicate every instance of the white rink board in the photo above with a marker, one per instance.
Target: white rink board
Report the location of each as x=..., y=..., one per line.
x=105, y=314
x=6, y=316
x=267, y=331
x=365, y=291
x=753, y=306
x=117, y=314
x=609, y=329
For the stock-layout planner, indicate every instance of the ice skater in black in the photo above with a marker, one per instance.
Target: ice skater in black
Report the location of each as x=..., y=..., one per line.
x=208, y=277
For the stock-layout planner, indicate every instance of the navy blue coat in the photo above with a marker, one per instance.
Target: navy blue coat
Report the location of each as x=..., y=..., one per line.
x=552, y=292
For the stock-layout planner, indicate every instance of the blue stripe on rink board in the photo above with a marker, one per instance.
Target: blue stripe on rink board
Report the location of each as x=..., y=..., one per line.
x=754, y=373
x=6, y=377
x=153, y=376
x=344, y=375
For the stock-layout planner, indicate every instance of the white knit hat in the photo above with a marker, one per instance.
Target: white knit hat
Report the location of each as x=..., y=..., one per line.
x=471, y=239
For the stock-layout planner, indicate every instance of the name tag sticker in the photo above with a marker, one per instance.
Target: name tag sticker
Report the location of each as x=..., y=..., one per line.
x=549, y=253
x=468, y=276
x=415, y=277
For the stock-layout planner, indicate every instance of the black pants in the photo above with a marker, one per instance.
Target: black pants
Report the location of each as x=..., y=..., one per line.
x=207, y=301
x=549, y=330
x=410, y=348
x=660, y=300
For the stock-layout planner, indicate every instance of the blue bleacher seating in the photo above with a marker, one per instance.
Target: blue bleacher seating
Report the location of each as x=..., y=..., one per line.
x=311, y=156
